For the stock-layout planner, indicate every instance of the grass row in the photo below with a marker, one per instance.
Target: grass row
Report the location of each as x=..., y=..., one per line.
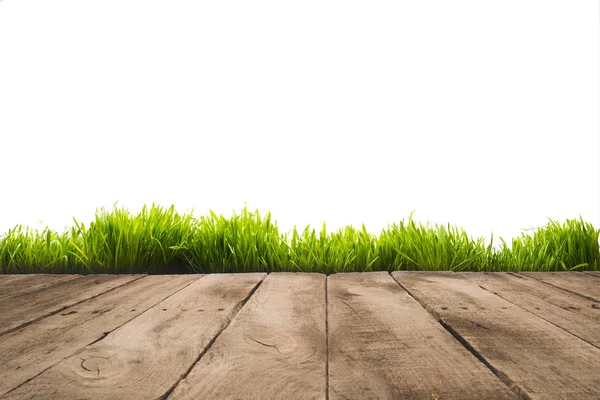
x=159, y=240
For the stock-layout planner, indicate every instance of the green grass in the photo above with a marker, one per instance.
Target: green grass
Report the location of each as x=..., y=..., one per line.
x=159, y=240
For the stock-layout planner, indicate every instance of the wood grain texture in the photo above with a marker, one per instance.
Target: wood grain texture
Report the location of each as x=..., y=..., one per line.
x=146, y=357
x=42, y=303
x=531, y=335
x=585, y=285
x=28, y=351
x=275, y=348
x=574, y=314
x=384, y=345
x=25, y=284
x=531, y=355
x=6, y=280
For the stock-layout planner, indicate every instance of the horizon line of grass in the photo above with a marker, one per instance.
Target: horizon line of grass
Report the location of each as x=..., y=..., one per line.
x=160, y=240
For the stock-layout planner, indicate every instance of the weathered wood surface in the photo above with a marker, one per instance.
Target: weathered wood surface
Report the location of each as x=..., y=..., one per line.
x=22, y=284
x=28, y=351
x=146, y=357
x=574, y=314
x=583, y=284
x=384, y=345
x=22, y=310
x=405, y=335
x=274, y=348
x=6, y=280
x=531, y=355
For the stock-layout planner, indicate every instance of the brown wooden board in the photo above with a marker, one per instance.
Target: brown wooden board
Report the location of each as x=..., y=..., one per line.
x=275, y=348
x=30, y=283
x=384, y=345
x=28, y=351
x=42, y=303
x=6, y=280
x=531, y=355
x=594, y=274
x=579, y=283
x=146, y=357
x=574, y=314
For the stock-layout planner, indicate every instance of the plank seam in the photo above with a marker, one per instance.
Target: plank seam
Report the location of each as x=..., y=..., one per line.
x=588, y=273
x=33, y=321
x=66, y=279
x=326, y=340
x=550, y=322
x=503, y=377
x=458, y=337
x=104, y=335
x=230, y=318
x=562, y=288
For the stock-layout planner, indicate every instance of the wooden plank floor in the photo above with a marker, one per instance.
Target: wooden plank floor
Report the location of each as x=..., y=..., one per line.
x=374, y=335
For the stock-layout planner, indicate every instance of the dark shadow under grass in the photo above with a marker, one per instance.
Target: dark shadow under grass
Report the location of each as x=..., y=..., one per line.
x=160, y=241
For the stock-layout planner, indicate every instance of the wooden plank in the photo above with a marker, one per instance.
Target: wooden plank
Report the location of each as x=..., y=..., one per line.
x=574, y=314
x=384, y=345
x=30, y=308
x=274, y=349
x=30, y=283
x=26, y=352
x=7, y=279
x=579, y=283
x=146, y=357
x=530, y=354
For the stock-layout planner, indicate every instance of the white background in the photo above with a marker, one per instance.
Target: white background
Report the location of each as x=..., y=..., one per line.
x=483, y=114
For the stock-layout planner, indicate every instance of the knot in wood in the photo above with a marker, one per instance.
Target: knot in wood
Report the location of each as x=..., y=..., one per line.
x=96, y=364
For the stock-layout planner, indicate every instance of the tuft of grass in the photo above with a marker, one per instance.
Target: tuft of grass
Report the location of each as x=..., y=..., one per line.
x=113, y=243
x=244, y=243
x=555, y=247
x=411, y=247
x=159, y=240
